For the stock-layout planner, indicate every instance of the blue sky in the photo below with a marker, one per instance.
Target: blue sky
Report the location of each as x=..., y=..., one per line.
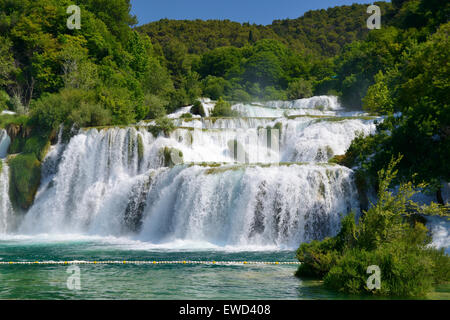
x=253, y=11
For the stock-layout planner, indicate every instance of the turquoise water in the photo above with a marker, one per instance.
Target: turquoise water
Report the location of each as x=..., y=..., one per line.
x=150, y=281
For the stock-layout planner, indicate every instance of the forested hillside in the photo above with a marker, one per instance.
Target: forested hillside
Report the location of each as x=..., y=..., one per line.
x=322, y=32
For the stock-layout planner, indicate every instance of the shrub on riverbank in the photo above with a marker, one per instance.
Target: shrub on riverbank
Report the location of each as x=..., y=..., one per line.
x=387, y=236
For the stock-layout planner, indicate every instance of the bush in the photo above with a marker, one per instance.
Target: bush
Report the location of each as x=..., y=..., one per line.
x=37, y=145
x=215, y=87
x=223, y=109
x=186, y=116
x=164, y=125
x=270, y=93
x=241, y=96
x=89, y=115
x=299, y=89
x=4, y=100
x=8, y=119
x=405, y=271
x=378, y=98
x=317, y=258
x=156, y=106
x=385, y=236
x=198, y=109
x=16, y=105
x=51, y=110
x=122, y=104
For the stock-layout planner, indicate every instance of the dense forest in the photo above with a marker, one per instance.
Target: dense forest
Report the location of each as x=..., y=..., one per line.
x=322, y=32
x=110, y=72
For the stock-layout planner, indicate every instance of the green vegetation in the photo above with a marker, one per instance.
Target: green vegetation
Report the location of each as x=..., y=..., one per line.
x=186, y=116
x=299, y=89
x=24, y=180
x=171, y=156
x=105, y=73
x=140, y=145
x=197, y=109
x=119, y=75
x=164, y=125
x=223, y=109
x=319, y=32
x=417, y=88
x=388, y=235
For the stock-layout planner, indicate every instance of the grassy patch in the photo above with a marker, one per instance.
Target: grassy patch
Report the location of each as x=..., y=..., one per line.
x=8, y=119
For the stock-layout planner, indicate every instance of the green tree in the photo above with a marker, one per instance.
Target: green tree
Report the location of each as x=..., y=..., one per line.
x=386, y=235
x=299, y=89
x=264, y=68
x=223, y=109
x=378, y=98
x=7, y=67
x=215, y=87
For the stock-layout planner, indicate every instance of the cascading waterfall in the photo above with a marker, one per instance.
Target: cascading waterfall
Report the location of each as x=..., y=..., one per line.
x=120, y=182
x=6, y=209
x=5, y=140
x=302, y=139
x=318, y=102
x=315, y=106
x=248, y=205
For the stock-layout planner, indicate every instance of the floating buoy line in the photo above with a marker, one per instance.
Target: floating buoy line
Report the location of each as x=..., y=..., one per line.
x=190, y=262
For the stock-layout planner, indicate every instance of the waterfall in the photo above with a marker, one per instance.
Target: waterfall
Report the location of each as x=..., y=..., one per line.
x=318, y=102
x=5, y=140
x=6, y=209
x=319, y=140
x=248, y=205
x=235, y=205
x=303, y=139
x=227, y=182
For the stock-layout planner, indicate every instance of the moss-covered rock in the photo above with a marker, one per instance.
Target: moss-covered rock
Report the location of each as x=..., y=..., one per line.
x=25, y=139
x=237, y=151
x=25, y=177
x=170, y=156
x=140, y=145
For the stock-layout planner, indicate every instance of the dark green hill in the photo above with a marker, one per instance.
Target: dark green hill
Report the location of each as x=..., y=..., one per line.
x=318, y=31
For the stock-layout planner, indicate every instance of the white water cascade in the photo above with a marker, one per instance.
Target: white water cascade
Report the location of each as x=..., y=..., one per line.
x=118, y=182
x=6, y=210
x=5, y=140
